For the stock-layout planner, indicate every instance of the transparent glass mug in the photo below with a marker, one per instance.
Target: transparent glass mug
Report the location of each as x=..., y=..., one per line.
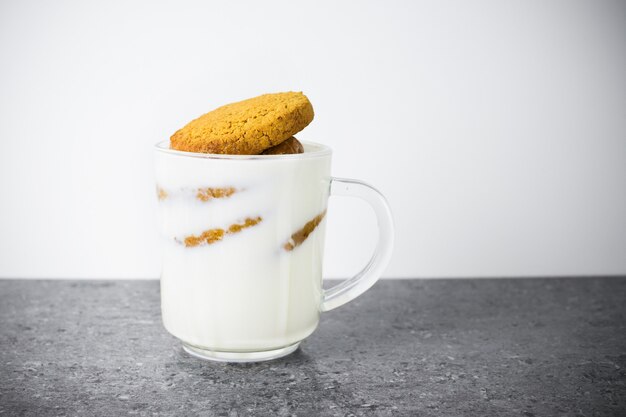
x=243, y=241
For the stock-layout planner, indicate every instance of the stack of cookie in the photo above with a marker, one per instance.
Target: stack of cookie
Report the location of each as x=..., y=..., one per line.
x=260, y=125
x=263, y=125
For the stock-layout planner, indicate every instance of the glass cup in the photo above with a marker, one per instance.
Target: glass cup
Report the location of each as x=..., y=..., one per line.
x=243, y=241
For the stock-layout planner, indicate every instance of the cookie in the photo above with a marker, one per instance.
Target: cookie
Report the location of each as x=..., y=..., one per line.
x=291, y=145
x=247, y=127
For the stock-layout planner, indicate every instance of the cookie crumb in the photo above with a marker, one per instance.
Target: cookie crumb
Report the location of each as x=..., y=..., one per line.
x=206, y=194
x=208, y=237
x=215, y=235
x=236, y=228
x=300, y=236
x=161, y=193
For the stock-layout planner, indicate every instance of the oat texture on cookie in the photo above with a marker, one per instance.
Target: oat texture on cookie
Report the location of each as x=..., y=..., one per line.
x=248, y=127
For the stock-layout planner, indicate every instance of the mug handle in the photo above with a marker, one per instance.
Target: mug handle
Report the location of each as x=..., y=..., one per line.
x=361, y=282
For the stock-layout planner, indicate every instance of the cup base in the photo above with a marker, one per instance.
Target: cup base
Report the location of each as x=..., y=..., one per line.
x=219, y=356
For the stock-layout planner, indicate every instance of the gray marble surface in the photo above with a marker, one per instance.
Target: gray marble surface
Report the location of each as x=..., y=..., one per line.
x=511, y=347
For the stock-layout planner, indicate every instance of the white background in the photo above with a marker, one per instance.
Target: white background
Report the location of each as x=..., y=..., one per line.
x=497, y=129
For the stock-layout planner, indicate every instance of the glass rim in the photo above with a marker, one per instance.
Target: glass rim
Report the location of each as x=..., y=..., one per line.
x=323, y=150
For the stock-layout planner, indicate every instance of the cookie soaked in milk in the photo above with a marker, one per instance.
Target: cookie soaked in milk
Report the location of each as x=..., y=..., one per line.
x=232, y=279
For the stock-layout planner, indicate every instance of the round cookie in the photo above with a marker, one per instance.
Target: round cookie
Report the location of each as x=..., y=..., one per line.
x=247, y=127
x=289, y=146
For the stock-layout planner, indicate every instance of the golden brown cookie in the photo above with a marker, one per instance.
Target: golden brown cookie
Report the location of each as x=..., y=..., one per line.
x=291, y=145
x=247, y=127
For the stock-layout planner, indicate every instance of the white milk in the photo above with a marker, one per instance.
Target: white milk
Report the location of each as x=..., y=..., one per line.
x=245, y=292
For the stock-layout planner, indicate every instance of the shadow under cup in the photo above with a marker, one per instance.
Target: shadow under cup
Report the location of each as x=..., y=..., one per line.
x=243, y=241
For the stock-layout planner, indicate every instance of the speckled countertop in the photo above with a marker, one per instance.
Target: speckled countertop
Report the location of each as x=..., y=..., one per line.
x=510, y=347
